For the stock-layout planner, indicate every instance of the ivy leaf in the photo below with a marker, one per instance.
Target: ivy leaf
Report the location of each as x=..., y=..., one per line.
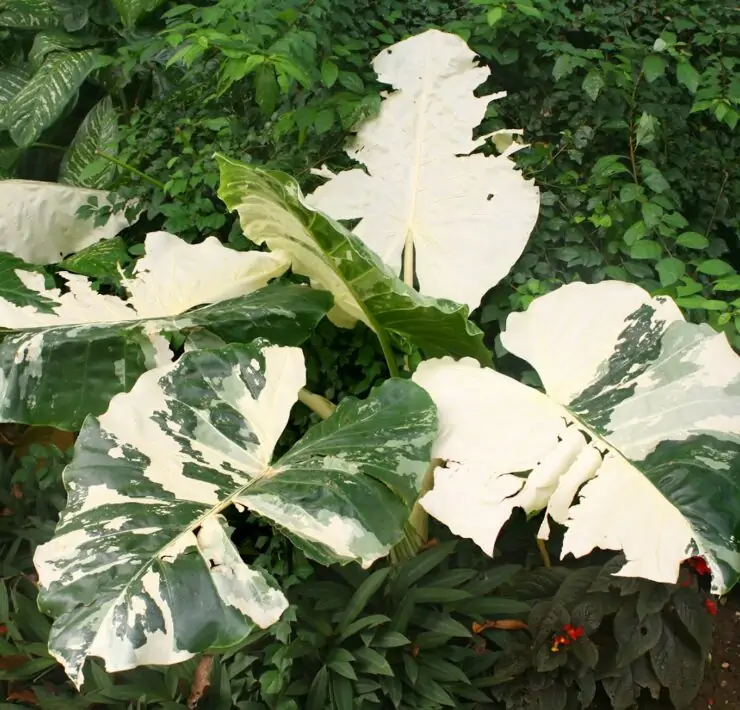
x=687, y=75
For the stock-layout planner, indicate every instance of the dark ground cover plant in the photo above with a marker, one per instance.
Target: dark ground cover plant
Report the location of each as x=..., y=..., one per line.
x=632, y=118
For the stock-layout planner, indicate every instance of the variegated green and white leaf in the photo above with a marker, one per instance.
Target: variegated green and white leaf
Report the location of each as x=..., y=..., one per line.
x=98, y=131
x=46, y=42
x=12, y=80
x=71, y=352
x=131, y=10
x=141, y=569
x=461, y=220
x=635, y=446
x=272, y=211
x=29, y=14
x=39, y=221
x=43, y=99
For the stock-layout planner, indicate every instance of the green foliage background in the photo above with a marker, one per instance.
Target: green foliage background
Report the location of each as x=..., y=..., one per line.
x=630, y=112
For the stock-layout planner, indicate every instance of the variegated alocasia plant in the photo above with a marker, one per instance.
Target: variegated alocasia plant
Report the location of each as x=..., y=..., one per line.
x=634, y=446
x=142, y=570
x=460, y=220
x=67, y=353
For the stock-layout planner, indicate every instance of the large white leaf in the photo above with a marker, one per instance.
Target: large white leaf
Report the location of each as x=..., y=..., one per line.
x=466, y=217
x=72, y=351
x=141, y=569
x=635, y=446
x=39, y=222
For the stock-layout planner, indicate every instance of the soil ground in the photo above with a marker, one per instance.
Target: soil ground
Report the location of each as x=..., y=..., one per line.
x=721, y=687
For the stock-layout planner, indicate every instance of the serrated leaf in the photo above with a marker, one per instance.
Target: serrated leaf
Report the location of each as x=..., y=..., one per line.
x=622, y=372
x=563, y=67
x=652, y=598
x=97, y=132
x=68, y=354
x=41, y=101
x=621, y=689
x=588, y=613
x=575, y=585
x=273, y=212
x=694, y=616
x=634, y=636
x=141, y=569
x=464, y=232
x=678, y=666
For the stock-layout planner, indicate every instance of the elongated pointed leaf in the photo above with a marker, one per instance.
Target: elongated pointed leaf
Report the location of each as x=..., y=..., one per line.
x=70, y=353
x=12, y=80
x=41, y=101
x=635, y=446
x=39, y=221
x=29, y=14
x=467, y=218
x=141, y=569
x=273, y=212
x=98, y=131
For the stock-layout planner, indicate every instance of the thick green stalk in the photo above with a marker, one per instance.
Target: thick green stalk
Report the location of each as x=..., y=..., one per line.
x=132, y=169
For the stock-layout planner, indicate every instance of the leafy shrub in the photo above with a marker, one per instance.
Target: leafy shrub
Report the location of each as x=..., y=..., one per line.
x=589, y=629
x=631, y=113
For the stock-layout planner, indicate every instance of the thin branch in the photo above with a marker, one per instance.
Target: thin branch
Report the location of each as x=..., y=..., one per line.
x=131, y=169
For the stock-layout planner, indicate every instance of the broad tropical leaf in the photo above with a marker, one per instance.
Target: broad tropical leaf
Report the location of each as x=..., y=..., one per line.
x=71, y=352
x=273, y=212
x=98, y=131
x=29, y=14
x=43, y=99
x=12, y=80
x=44, y=43
x=635, y=446
x=141, y=569
x=39, y=222
x=465, y=218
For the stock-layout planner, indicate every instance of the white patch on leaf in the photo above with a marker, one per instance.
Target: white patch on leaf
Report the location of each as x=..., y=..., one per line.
x=641, y=383
x=39, y=222
x=468, y=217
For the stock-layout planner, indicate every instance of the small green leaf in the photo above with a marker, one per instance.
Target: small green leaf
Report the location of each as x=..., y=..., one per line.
x=651, y=214
x=692, y=240
x=563, y=66
x=715, y=267
x=528, y=9
x=646, y=249
x=653, y=67
x=593, y=84
x=636, y=231
x=324, y=121
x=266, y=88
x=731, y=283
x=494, y=15
x=329, y=73
x=351, y=82
x=706, y=304
x=670, y=270
x=687, y=75
x=630, y=192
